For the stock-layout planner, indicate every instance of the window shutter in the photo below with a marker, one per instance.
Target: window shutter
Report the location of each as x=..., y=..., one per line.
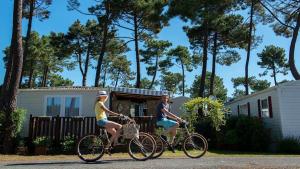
x=270, y=106
x=258, y=107
x=248, y=106
x=238, y=109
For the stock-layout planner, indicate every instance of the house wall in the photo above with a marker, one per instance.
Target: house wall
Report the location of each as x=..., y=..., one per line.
x=34, y=101
x=290, y=108
x=272, y=123
x=177, y=103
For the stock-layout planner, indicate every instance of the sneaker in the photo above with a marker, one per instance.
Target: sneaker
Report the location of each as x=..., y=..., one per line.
x=171, y=148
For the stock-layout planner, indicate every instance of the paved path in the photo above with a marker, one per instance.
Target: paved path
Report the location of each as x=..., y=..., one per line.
x=165, y=163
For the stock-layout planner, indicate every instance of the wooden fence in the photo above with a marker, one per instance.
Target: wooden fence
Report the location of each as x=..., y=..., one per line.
x=58, y=128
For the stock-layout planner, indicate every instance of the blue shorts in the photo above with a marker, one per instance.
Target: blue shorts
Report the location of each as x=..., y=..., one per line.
x=102, y=122
x=166, y=123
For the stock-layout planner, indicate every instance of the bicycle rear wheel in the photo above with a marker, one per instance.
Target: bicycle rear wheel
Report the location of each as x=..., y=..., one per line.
x=141, y=148
x=195, y=146
x=160, y=146
x=90, y=148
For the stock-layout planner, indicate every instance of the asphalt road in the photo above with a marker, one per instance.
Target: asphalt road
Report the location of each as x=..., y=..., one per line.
x=165, y=163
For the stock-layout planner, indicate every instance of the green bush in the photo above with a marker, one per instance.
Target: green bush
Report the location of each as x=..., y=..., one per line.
x=246, y=134
x=68, y=145
x=42, y=141
x=290, y=145
x=18, y=118
x=214, y=111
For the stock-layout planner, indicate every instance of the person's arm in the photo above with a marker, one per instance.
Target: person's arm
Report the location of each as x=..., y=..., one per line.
x=108, y=111
x=171, y=115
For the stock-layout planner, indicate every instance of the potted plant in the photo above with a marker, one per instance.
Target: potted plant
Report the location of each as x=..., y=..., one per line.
x=41, y=145
x=22, y=149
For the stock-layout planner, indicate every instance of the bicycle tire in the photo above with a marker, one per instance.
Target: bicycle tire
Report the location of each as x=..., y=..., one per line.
x=85, y=142
x=145, y=139
x=160, y=146
x=200, y=139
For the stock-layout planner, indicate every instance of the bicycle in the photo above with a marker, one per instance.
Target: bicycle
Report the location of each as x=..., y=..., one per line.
x=141, y=146
x=194, y=145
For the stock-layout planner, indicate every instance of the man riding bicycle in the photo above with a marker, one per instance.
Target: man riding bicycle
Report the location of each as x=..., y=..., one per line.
x=171, y=124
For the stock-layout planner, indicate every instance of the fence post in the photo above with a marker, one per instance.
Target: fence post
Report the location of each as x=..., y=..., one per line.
x=57, y=129
x=30, y=128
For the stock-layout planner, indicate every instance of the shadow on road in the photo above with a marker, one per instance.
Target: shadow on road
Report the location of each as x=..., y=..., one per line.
x=68, y=162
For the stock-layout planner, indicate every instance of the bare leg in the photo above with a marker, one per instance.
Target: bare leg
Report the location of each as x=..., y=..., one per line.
x=173, y=132
x=114, y=129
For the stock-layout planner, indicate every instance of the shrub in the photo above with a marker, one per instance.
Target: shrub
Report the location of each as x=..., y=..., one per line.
x=68, y=145
x=246, y=133
x=18, y=118
x=42, y=141
x=214, y=111
x=289, y=145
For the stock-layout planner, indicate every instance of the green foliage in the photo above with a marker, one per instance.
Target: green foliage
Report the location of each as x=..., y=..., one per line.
x=213, y=110
x=170, y=81
x=68, y=145
x=254, y=84
x=273, y=59
x=58, y=80
x=244, y=134
x=42, y=141
x=219, y=89
x=40, y=9
x=290, y=145
x=18, y=117
x=145, y=83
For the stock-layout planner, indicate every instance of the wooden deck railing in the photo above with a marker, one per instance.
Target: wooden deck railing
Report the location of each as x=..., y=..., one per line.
x=58, y=128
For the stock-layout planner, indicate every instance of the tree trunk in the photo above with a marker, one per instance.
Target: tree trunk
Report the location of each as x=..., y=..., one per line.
x=45, y=74
x=292, y=65
x=183, y=76
x=213, y=71
x=102, y=51
x=86, y=65
x=30, y=74
x=137, y=55
x=249, y=50
x=155, y=72
x=28, y=36
x=116, y=84
x=104, y=78
x=9, y=103
x=274, y=74
x=204, y=61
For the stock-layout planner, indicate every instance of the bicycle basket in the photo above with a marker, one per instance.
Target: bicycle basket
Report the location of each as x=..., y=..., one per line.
x=130, y=130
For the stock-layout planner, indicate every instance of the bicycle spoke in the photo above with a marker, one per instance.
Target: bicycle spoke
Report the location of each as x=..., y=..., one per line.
x=195, y=146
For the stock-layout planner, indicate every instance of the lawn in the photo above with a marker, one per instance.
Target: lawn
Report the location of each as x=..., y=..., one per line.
x=167, y=154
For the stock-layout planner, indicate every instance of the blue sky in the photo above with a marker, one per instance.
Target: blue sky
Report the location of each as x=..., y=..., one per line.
x=60, y=20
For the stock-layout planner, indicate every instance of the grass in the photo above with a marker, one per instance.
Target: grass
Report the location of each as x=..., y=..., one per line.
x=167, y=154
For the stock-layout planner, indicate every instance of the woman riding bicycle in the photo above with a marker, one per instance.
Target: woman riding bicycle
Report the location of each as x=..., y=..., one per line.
x=111, y=127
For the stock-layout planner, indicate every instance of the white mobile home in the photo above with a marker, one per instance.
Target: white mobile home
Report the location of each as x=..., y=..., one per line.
x=278, y=106
x=79, y=101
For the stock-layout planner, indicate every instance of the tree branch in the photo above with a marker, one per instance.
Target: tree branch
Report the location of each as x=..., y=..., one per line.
x=275, y=16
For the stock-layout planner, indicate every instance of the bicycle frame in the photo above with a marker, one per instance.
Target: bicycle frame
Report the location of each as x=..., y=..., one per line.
x=186, y=134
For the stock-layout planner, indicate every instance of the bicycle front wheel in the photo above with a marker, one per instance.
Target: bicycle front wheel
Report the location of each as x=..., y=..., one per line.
x=90, y=148
x=195, y=146
x=142, y=148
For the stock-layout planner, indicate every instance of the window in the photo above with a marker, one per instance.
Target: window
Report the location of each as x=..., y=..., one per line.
x=265, y=108
x=138, y=109
x=244, y=109
x=53, y=106
x=63, y=106
x=71, y=106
